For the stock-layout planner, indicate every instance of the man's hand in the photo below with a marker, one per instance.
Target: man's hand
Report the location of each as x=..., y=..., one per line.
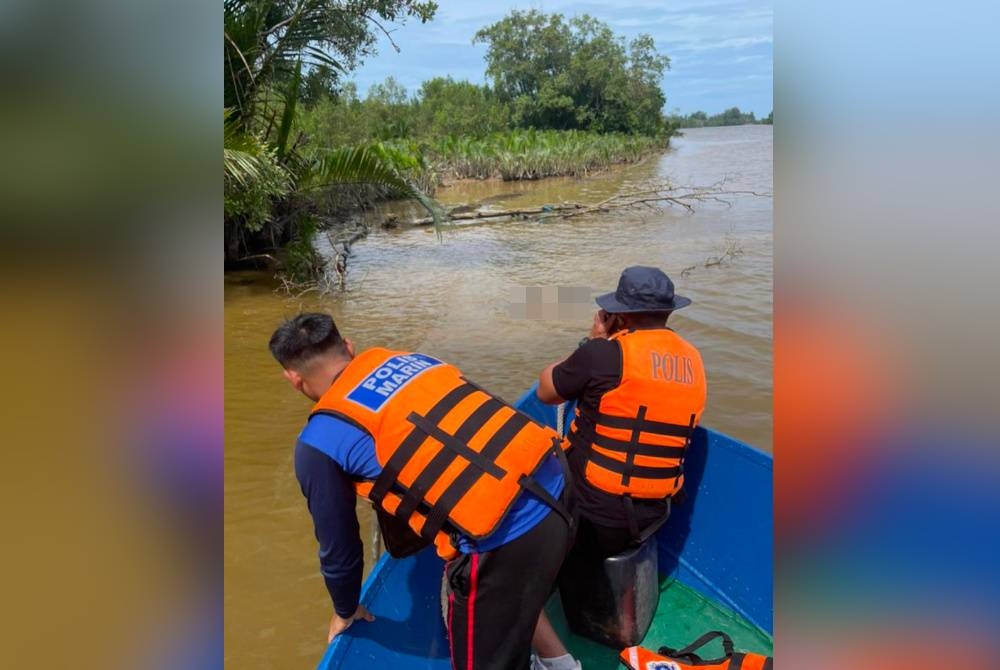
x=600, y=327
x=339, y=625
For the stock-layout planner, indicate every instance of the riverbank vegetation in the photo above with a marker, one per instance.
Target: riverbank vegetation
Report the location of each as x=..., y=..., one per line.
x=270, y=175
x=731, y=117
x=563, y=97
x=510, y=155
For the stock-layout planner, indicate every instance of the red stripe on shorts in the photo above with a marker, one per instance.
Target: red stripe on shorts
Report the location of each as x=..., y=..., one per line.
x=473, y=580
x=451, y=636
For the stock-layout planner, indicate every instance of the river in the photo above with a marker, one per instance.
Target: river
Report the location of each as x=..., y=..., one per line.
x=463, y=299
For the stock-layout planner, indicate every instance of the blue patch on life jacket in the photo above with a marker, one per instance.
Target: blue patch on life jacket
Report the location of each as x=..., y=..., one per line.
x=375, y=389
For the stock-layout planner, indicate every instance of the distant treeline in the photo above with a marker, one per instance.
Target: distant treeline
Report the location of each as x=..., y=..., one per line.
x=545, y=72
x=442, y=107
x=731, y=117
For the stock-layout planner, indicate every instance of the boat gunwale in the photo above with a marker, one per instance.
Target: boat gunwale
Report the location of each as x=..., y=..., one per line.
x=379, y=574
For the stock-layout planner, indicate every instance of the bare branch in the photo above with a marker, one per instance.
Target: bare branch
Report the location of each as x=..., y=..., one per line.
x=384, y=31
x=641, y=197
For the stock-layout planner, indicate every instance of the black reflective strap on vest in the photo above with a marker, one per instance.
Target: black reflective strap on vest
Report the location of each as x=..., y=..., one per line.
x=390, y=471
x=457, y=446
x=632, y=444
x=528, y=483
x=624, y=447
x=687, y=443
x=633, y=520
x=645, y=425
x=445, y=457
x=688, y=651
x=638, y=425
x=640, y=471
x=466, y=479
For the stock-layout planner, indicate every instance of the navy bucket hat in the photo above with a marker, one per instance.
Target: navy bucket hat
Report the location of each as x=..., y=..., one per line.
x=643, y=289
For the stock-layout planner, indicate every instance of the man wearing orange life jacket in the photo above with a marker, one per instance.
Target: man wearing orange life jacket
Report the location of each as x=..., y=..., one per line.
x=447, y=463
x=641, y=391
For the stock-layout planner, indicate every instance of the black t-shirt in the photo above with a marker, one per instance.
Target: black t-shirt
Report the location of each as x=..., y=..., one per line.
x=591, y=371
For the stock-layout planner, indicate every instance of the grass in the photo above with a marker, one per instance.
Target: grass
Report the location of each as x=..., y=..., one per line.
x=530, y=154
x=512, y=155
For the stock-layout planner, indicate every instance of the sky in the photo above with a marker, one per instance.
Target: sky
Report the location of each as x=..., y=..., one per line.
x=720, y=50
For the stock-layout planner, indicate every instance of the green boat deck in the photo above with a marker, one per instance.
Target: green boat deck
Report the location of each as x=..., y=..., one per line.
x=682, y=616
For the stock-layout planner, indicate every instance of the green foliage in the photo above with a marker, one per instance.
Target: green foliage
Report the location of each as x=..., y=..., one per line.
x=300, y=261
x=388, y=110
x=318, y=83
x=391, y=169
x=731, y=117
x=567, y=98
x=734, y=117
x=359, y=165
x=448, y=107
x=265, y=40
x=441, y=107
x=276, y=52
x=575, y=74
x=530, y=154
x=253, y=178
x=390, y=93
x=511, y=155
x=337, y=120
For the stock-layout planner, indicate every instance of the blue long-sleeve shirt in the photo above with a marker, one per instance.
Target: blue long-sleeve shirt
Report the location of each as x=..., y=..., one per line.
x=329, y=456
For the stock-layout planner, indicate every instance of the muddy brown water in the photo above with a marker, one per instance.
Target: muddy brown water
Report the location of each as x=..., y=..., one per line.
x=463, y=299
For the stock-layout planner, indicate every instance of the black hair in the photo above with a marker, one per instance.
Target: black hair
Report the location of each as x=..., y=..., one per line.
x=304, y=337
x=646, y=319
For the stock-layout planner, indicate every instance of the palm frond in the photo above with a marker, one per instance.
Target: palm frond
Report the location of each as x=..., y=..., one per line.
x=246, y=159
x=362, y=165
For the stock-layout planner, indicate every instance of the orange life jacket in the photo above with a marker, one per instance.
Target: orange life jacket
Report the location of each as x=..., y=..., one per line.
x=639, y=658
x=453, y=456
x=644, y=424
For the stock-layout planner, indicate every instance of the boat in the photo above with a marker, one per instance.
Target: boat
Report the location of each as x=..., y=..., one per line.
x=714, y=559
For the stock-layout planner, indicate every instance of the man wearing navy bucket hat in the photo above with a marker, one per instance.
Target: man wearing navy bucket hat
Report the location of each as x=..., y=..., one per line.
x=640, y=391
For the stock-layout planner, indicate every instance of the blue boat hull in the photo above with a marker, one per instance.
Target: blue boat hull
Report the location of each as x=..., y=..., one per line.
x=719, y=542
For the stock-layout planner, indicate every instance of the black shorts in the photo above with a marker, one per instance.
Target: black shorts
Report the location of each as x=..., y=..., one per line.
x=494, y=598
x=583, y=586
x=596, y=541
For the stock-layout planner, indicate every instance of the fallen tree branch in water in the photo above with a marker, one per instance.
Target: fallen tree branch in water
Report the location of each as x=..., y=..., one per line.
x=730, y=251
x=643, y=196
x=333, y=272
x=341, y=245
x=257, y=261
x=297, y=289
x=499, y=214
